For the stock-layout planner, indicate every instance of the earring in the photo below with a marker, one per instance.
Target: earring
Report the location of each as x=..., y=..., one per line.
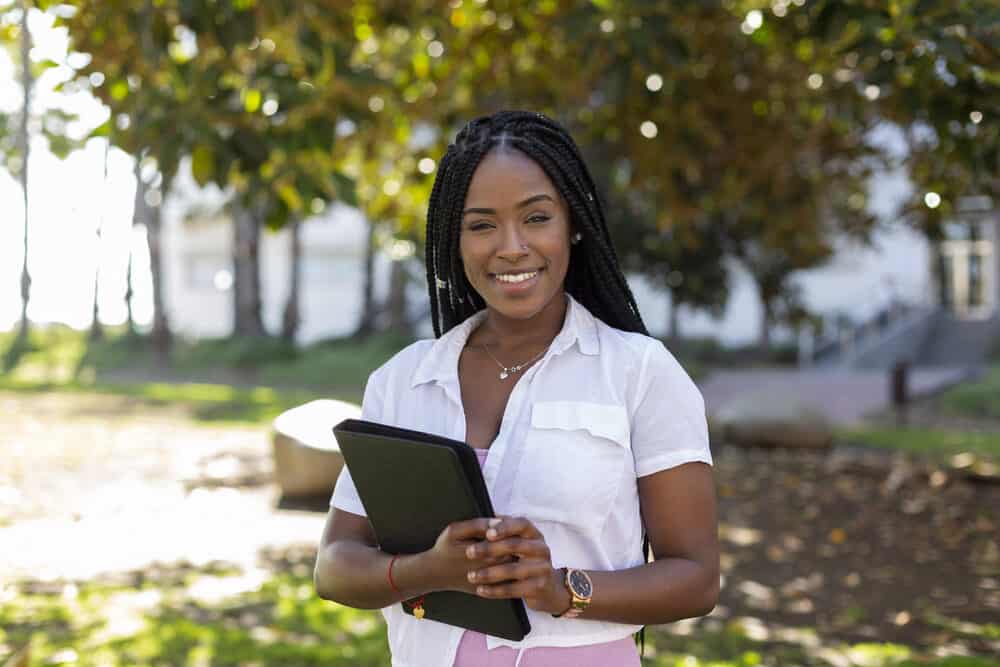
x=576, y=238
x=524, y=246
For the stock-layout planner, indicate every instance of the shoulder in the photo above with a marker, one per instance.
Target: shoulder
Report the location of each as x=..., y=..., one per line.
x=644, y=359
x=402, y=365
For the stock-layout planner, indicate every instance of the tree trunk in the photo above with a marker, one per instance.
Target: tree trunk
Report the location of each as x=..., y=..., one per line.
x=161, y=328
x=246, y=271
x=398, y=320
x=292, y=317
x=24, y=141
x=369, y=311
x=764, y=338
x=96, y=331
x=140, y=200
x=672, y=326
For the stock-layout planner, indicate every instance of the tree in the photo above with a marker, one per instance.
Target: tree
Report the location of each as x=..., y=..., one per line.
x=251, y=91
x=24, y=144
x=15, y=146
x=96, y=331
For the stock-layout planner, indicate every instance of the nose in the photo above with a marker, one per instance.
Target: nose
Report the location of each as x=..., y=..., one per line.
x=512, y=245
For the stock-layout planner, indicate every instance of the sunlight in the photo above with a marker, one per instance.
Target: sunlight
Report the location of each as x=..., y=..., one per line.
x=68, y=200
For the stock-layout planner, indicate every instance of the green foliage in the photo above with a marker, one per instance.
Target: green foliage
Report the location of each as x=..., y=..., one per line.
x=61, y=358
x=238, y=352
x=283, y=623
x=977, y=399
x=710, y=138
x=936, y=443
x=345, y=363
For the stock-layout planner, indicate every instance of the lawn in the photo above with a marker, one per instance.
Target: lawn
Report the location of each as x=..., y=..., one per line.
x=203, y=616
x=244, y=381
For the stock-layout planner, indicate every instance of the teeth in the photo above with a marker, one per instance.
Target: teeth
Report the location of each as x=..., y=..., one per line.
x=515, y=277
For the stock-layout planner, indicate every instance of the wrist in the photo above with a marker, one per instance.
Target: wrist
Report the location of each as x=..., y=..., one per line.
x=562, y=599
x=411, y=575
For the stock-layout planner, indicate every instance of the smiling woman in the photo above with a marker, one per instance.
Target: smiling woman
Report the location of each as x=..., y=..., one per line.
x=591, y=436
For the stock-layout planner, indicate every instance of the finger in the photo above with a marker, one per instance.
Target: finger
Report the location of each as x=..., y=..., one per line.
x=472, y=529
x=511, y=546
x=525, y=588
x=523, y=569
x=508, y=526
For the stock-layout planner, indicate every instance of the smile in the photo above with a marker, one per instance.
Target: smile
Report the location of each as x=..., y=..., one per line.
x=514, y=278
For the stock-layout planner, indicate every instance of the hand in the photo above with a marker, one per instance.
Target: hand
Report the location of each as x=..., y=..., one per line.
x=447, y=563
x=528, y=574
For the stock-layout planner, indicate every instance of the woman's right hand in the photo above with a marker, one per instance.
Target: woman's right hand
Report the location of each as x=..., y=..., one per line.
x=447, y=562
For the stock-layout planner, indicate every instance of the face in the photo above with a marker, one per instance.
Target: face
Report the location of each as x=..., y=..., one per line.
x=515, y=235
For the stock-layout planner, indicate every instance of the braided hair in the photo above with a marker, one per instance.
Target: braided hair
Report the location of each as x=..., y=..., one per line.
x=594, y=277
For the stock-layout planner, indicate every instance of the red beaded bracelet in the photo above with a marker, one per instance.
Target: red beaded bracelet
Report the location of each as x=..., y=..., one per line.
x=416, y=605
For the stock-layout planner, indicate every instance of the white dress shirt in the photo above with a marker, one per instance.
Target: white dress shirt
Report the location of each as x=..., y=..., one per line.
x=602, y=408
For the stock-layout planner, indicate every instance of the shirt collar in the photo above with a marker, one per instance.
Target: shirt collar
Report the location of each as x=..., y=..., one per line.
x=441, y=362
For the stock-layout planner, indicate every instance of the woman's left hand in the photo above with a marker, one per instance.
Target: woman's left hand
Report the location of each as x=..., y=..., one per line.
x=530, y=575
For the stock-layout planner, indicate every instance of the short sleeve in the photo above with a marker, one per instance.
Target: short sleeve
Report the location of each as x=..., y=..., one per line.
x=669, y=426
x=345, y=494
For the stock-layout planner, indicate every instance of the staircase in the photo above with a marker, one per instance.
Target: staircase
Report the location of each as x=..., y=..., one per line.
x=956, y=342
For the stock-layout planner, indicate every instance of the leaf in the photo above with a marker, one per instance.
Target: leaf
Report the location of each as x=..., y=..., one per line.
x=251, y=100
x=290, y=196
x=346, y=189
x=119, y=90
x=202, y=164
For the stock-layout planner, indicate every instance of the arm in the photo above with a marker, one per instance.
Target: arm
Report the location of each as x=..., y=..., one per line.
x=352, y=570
x=679, y=509
x=683, y=581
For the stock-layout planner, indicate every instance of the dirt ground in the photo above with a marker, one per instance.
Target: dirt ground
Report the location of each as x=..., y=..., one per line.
x=859, y=546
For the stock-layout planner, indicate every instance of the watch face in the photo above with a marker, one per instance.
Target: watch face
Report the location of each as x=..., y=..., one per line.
x=580, y=583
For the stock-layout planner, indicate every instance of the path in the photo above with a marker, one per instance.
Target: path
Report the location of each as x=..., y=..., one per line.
x=92, y=484
x=844, y=397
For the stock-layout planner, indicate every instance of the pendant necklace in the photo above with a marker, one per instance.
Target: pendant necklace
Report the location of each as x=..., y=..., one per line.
x=507, y=371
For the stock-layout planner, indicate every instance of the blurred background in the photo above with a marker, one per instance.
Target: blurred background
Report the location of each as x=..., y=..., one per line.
x=212, y=231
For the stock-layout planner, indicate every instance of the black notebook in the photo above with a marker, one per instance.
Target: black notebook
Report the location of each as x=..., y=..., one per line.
x=413, y=484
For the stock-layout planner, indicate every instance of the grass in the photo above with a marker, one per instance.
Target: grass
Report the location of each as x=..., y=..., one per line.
x=934, y=443
x=977, y=400
x=260, y=377
x=218, y=618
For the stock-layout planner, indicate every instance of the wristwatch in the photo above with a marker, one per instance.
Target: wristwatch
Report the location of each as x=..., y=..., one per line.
x=580, y=588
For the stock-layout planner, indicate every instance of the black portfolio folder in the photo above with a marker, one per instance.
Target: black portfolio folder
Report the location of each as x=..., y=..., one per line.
x=413, y=484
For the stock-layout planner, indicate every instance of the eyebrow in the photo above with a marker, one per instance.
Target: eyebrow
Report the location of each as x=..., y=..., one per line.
x=526, y=202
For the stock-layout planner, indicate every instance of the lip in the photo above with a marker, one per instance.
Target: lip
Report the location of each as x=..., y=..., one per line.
x=516, y=288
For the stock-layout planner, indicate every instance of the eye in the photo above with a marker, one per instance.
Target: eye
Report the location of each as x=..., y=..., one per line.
x=538, y=218
x=479, y=225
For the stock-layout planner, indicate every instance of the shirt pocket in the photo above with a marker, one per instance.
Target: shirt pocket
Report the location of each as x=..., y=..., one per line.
x=574, y=457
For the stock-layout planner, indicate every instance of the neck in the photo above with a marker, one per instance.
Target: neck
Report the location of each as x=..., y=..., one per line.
x=509, y=334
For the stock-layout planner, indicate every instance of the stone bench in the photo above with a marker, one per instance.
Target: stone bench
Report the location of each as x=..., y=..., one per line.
x=307, y=459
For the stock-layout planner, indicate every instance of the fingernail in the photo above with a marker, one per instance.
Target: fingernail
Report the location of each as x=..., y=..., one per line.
x=481, y=590
x=472, y=576
x=471, y=552
x=491, y=533
x=494, y=522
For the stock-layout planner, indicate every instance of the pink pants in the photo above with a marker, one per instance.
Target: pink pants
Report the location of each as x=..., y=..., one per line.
x=472, y=653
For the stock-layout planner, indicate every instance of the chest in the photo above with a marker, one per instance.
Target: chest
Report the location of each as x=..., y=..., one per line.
x=484, y=398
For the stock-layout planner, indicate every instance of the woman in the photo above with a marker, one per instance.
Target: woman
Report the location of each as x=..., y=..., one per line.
x=590, y=435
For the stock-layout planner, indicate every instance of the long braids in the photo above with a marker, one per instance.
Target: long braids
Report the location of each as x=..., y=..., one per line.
x=594, y=277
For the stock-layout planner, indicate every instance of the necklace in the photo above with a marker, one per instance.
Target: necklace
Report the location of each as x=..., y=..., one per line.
x=507, y=371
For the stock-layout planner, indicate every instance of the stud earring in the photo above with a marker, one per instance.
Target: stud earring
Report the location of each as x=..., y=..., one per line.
x=576, y=238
